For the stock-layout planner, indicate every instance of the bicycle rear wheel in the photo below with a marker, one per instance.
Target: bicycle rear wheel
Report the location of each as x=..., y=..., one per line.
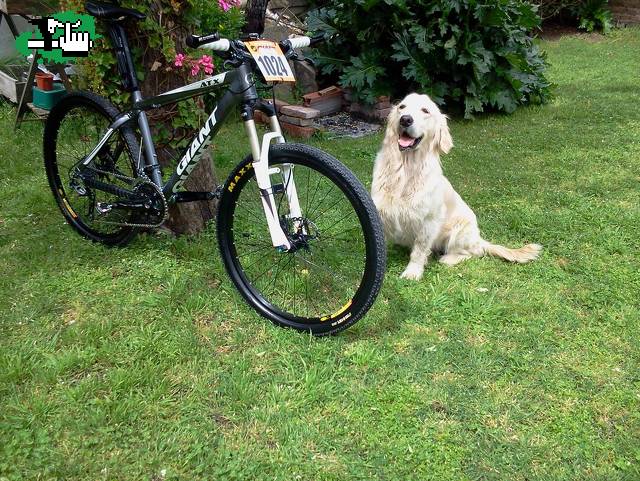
x=74, y=127
x=333, y=275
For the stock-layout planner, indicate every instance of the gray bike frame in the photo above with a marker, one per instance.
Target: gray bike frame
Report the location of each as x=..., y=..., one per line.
x=241, y=89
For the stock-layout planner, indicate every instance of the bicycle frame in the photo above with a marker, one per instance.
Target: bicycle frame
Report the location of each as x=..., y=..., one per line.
x=241, y=89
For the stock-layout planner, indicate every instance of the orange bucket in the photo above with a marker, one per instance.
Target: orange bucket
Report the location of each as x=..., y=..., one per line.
x=44, y=81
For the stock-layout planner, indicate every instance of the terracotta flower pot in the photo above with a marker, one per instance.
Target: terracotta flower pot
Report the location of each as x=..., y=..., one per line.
x=44, y=81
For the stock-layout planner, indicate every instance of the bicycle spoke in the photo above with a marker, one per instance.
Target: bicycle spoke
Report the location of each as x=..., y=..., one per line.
x=315, y=280
x=316, y=217
x=79, y=131
x=335, y=276
x=260, y=249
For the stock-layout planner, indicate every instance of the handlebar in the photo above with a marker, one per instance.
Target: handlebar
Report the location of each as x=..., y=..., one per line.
x=301, y=42
x=221, y=45
x=214, y=42
x=194, y=41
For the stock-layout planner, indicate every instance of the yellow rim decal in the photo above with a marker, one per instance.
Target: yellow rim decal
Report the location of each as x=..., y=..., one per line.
x=66, y=204
x=337, y=313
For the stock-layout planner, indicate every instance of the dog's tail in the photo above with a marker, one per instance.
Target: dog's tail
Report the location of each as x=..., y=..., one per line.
x=521, y=255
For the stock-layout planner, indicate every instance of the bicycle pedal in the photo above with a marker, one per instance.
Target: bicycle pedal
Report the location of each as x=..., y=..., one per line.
x=103, y=208
x=80, y=190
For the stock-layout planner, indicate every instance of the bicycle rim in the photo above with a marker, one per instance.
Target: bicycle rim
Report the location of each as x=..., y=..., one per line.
x=332, y=274
x=76, y=132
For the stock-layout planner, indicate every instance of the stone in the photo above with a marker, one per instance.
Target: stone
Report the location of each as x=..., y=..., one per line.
x=296, y=120
x=297, y=130
x=260, y=117
x=327, y=101
x=300, y=112
x=382, y=114
x=343, y=124
x=369, y=113
x=314, y=97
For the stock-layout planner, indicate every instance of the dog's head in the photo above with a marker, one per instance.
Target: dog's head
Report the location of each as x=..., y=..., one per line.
x=416, y=123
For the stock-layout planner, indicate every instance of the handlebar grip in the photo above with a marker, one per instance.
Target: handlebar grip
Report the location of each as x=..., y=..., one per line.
x=317, y=39
x=299, y=42
x=194, y=41
x=221, y=45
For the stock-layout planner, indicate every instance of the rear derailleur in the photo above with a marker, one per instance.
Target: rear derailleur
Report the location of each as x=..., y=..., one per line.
x=141, y=197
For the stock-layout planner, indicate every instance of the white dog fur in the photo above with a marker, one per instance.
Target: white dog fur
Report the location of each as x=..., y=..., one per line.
x=418, y=206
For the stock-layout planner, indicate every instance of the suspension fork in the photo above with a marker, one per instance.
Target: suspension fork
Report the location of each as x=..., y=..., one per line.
x=287, y=175
x=260, y=153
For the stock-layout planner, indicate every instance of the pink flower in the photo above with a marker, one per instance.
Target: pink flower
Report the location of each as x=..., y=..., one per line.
x=179, y=59
x=207, y=63
x=227, y=4
x=195, y=68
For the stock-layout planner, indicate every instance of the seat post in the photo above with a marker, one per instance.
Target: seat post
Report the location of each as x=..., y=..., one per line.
x=123, y=56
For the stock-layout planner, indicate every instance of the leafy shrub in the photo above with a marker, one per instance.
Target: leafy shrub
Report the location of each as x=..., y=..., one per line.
x=555, y=9
x=594, y=15
x=463, y=53
x=589, y=15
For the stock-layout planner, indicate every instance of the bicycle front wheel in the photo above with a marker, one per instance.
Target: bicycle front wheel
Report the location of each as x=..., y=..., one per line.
x=333, y=275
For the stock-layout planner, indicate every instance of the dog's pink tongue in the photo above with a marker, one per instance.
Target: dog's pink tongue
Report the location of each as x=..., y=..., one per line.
x=405, y=141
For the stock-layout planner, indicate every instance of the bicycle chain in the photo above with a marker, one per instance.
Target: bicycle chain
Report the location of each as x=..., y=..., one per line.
x=145, y=180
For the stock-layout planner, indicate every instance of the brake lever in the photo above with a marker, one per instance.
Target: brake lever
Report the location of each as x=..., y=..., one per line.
x=235, y=55
x=297, y=58
x=232, y=63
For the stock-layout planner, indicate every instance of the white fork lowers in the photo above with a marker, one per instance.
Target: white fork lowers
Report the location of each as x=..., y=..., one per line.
x=262, y=173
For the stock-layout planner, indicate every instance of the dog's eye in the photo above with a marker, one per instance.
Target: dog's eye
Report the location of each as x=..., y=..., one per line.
x=426, y=111
x=402, y=106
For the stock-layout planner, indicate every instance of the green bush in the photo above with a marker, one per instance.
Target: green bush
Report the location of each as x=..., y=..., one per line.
x=468, y=55
x=589, y=15
x=594, y=15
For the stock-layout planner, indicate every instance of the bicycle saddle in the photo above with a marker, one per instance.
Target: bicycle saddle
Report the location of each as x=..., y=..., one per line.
x=108, y=11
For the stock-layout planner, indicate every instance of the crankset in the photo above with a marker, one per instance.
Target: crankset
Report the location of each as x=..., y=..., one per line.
x=141, y=197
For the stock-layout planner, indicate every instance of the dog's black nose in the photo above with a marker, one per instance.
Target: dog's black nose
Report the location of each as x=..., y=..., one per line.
x=406, y=120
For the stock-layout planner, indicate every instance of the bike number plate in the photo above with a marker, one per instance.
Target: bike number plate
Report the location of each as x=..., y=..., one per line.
x=271, y=61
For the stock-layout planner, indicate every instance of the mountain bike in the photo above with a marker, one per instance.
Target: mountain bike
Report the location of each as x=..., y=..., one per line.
x=298, y=234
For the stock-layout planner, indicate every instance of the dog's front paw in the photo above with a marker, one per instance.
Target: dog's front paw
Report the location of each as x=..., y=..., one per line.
x=413, y=272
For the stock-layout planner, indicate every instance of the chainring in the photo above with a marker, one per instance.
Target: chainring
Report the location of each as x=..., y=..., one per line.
x=158, y=211
x=158, y=207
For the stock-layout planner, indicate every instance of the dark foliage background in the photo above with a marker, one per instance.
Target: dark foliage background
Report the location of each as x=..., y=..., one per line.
x=589, y=15
x=467, y=55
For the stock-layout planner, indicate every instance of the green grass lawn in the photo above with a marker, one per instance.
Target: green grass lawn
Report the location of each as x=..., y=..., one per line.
x=144, y=363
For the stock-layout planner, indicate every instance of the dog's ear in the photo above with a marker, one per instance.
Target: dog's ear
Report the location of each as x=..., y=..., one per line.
x=392, y=126
x=443, y=141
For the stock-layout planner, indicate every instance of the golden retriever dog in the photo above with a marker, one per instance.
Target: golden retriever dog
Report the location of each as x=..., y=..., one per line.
x=418, y=206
